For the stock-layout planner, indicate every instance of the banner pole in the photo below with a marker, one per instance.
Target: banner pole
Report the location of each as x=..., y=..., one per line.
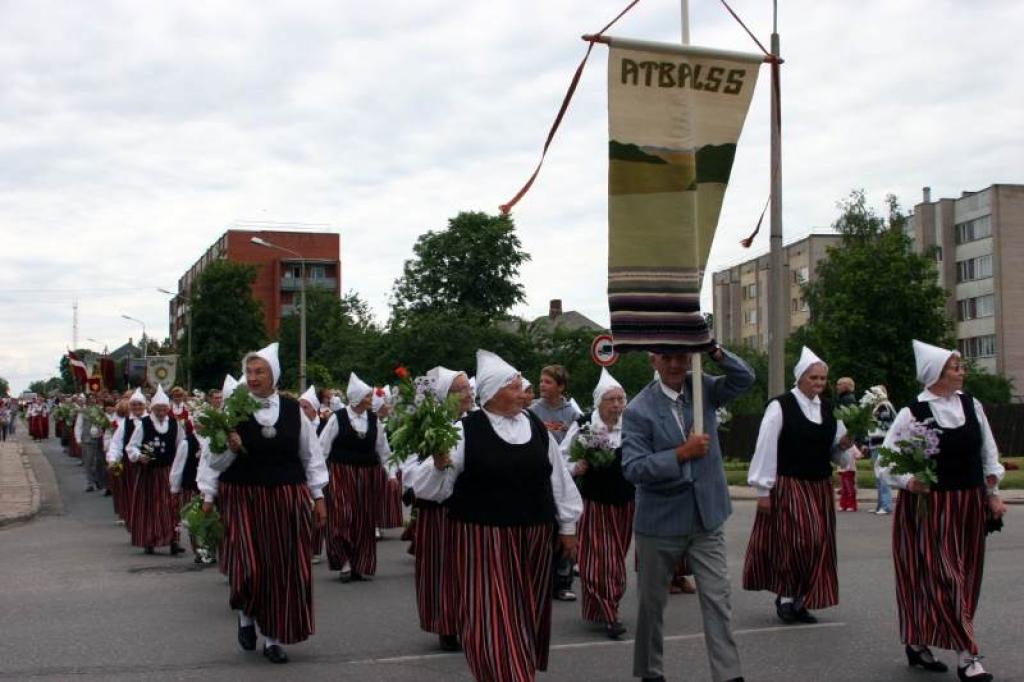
x=778, y=320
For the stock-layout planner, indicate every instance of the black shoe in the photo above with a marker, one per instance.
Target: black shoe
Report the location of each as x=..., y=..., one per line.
x=149, y=549
x=614, y=629
x=275, y=654
x=786, y=612
x=917, y=658
x=735, y=679
x=176, y=549
x=659, y=678
x=962, y=675
x=246, y=636
x=449, y=642
x=107, y=493
x=352, y=577
x=197, y=559
x=804, y=616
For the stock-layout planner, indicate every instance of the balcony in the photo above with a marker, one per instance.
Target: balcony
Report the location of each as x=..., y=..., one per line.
x=293, y=283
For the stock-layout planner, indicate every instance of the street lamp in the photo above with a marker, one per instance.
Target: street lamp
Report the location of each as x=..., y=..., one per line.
x=188, y=323
x=128, y=317
x=302, y=301
x=98, y=343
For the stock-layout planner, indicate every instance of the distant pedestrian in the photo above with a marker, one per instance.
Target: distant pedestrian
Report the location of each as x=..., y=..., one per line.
x=846, y=392
x=884, y=414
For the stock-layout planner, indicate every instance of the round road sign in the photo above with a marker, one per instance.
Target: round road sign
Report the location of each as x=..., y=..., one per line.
x=602, y=350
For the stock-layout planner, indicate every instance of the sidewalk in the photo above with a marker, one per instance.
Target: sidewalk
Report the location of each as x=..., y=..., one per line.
x=19, y=490
x=738, y=492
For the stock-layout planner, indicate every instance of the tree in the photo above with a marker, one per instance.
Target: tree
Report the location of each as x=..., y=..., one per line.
x=5, y=387
x=227, y=322
x=469, y=269
x=986, y=387
x=872, y=296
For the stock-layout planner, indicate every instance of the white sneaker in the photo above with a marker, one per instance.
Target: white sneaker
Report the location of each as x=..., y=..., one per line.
x=882, y=512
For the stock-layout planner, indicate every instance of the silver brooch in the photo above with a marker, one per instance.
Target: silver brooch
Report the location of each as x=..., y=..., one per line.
x=268, y=432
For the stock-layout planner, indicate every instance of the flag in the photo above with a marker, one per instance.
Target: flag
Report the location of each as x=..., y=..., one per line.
x=107, y=371
x=160, y=369
x=675, y=115
x=78, y=369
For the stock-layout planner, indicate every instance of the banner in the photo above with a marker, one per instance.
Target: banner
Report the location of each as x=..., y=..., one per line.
x=78, y=369
x=160, y=369
x=674, y=117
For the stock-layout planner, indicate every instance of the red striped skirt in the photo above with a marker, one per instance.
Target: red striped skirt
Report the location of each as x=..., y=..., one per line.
x=939, y=563
x=268, y=554
x=353, y=512
x=605, y=531
x=503, y=575
x=435, y=594
x=154, y=512
x=792, y=550
x=115, y=484
x=130, y=481
x=392, y=515
x=76, y=448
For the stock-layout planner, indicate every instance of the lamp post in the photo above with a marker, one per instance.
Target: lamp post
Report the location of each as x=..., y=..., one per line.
x=188, y=332
x=302, y=302
x=128, y=317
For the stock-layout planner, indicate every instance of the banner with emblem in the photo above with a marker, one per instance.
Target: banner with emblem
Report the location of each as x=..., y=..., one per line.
x=161, y=369
x=675, y=114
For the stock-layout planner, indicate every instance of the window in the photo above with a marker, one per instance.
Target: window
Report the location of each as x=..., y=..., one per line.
x=974, y=308
x=750, y=291
x=800, y=275
x=798, y=305
x=969, y=231
x=317, y=272
x=750, y=316
x=938, y=254
x=978, y=346
x=974, y=268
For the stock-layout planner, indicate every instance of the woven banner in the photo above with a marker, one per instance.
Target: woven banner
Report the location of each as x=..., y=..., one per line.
x=674, y=116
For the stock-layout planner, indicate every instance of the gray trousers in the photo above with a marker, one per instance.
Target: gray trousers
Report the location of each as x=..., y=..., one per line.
x=705, y=554
x=94, y=463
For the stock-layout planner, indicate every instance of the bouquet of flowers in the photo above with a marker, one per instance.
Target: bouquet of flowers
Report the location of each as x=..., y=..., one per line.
x=915, y=455
x=724, y=417
x=422, y=422
x=66, y=412
x=858, y=418
x=216, y=425
x=207, y=529
x=151, y=449
x=98, y=417
x=592, y=447
x=116, y=468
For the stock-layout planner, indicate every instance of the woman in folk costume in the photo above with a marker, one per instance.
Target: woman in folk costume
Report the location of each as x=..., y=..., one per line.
x=508, y=494
x=391, y=515
x=310, y=405
x=792, y=548
x=271, y=481
x=356, y=447
x=435, y=596
x=116, y=455
x=115, y=480
x=179, y=410
x=208, y=478
x=153, y=447
x=939, y=550
x=606, y=526
x=184, y=470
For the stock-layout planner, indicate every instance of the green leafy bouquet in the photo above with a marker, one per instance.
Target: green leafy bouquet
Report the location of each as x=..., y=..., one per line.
x=98, y=417
x=206, y=528
x=217, y=425
x=422, y=422
x=915, y=455
x=592, y=447
x=66, y=412
x=858, y=419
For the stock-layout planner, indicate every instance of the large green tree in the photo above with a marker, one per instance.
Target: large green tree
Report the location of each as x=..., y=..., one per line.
x=471, y=268
x=227, y=321
x=5, y=387
x=871, y=297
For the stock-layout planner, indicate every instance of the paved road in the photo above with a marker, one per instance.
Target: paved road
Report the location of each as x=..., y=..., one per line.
x=78, y=603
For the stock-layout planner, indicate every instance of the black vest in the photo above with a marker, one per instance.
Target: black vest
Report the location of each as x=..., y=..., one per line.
x=959, y=459
x=164, y=444
x=320, y=425
x=270, y=461
x=129, y=429
x=188, y=476
x=351, y=449
x=503, y=484
x=805, y=448
x=606, y=485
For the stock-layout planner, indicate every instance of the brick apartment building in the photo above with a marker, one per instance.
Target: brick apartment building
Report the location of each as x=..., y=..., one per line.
x=278, y=281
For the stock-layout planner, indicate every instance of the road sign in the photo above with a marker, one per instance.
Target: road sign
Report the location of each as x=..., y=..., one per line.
x=602, y=350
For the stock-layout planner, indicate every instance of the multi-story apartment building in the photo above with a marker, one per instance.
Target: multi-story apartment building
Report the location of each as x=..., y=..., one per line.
x=978, y=242
x=278, y=279
x=740, y=293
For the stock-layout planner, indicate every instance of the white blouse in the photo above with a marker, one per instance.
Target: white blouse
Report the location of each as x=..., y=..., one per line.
x=360, y=423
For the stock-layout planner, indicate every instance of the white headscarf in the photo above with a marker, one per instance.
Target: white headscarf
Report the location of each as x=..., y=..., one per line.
x=310, y=397
x=492, y=375
x=472, y=388
x=228, y=387
x=443, y=379
x=807, y=358
x=138, y=397
x=604, y=384
x=159, y=398
x=270, y=355
x=357, y=389
x=526, y=384
x=336, y=403
x=930, y=361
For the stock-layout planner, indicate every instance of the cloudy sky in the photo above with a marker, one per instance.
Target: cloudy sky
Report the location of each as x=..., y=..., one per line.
x=132, y=134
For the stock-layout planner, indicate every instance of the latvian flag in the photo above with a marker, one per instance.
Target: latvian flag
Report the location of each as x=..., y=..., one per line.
x=78, y=368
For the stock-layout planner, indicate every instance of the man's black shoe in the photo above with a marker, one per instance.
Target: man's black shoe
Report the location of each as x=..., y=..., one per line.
x=246, y=636
x=275, y=654
x=804, y=616
x=449, y=642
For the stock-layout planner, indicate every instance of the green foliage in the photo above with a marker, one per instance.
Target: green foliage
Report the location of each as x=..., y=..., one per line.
x=207, y=528
x=217, y=425
x=470, y=268
x=422, y=423
x=754, y=400
x=227, y=322
x=857, y=419
x=38, y=387
x=988, y=388
x=5, y=387
x=870, y=299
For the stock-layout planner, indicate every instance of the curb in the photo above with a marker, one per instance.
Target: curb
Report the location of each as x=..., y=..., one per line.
x=35, y=495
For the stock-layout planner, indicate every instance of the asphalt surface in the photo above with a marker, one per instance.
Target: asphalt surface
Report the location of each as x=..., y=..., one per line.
x=79, y=603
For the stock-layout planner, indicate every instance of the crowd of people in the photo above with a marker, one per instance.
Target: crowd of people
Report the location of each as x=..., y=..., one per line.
x=503, y=523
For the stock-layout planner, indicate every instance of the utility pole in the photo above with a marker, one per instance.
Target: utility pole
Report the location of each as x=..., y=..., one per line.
x=74, y=325
x=778, y=284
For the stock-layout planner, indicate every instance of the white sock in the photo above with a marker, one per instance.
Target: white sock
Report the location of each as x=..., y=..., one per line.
x=270, y=641
x=244, y=620
x=786, y=600
x=967, y=660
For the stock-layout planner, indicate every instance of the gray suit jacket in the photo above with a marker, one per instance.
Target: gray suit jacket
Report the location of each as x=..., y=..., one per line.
x=674, y=498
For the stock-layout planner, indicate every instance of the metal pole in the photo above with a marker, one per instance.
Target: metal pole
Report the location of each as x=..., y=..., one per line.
x=188, y=321
x=777, y=280
x=302, y=326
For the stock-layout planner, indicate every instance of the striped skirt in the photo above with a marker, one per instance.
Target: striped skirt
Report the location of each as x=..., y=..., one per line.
x=154, y=512
x=392, y=515
x=503, y=576
x=130, y=481
x=353, y=513
x=939, y=563
x=792, y=550
x=115, y=484
x=605, y=531
x=268, y=556
x=435, y=596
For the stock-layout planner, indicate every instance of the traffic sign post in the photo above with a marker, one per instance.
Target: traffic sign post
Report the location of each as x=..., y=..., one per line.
x=602, y=350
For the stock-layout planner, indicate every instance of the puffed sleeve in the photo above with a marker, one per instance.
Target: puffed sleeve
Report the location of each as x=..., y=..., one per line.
x=764, y=464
